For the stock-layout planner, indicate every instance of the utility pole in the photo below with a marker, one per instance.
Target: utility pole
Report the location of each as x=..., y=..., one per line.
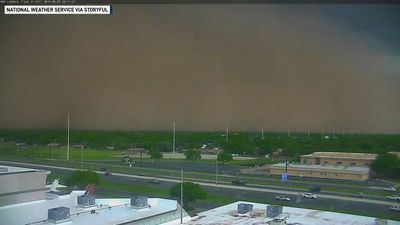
x=308, y=134
x=68, y=136
x=227, y=133
x=262, y=133
x=173, y=141
x=288, y=133
x=181, y=196
x=216, y=170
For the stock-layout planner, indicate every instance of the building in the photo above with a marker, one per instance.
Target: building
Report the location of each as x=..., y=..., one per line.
x=259, y=214
x=25, y=200
x=338, y=158
x=21, y=184
x=321, y=171
x=396, y=154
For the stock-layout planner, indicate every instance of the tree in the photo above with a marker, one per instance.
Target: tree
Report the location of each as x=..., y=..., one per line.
x=156, y=155
x=81, y=178
x=191, y=192
x=224, y=157
x=386, y=165
x=192, y=154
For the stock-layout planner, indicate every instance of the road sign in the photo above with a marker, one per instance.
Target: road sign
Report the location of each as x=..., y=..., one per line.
x=284, y=177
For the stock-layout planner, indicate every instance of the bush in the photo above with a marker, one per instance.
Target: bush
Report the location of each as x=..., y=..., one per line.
x=191, y=192
x=82, y=178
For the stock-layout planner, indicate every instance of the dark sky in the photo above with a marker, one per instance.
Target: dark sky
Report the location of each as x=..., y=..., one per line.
x=277, y=67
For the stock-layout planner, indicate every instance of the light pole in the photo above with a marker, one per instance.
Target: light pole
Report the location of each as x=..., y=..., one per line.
x=173, y=141
x=68, y=137
x=216, y=169
x=181, y=196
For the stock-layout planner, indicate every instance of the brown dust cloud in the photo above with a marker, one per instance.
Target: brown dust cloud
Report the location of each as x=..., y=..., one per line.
x=204, y=66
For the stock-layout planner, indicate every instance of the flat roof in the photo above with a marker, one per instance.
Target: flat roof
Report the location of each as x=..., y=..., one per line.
x=351, y=155
x=323, y=167
x=227, y=214
x=107, y=211
x=4, y=169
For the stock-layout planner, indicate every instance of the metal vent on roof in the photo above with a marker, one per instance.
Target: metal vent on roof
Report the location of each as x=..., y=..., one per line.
x=86, y=200
x=244, y=208
x=58, y=215
x=139, y=202
x=274, y=211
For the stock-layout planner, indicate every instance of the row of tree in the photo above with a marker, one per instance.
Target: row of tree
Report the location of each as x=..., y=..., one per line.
x=239, y=142
x=386, y=166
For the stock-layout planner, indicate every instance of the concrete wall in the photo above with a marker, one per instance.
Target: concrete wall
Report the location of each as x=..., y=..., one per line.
x=22, y=187
x=342, y=175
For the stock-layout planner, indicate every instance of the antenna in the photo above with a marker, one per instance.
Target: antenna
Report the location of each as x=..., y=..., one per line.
x=173, y=141
x=67, y=136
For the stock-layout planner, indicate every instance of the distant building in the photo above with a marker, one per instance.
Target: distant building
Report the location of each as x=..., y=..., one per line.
x=339, y=159
x=78, y=146
x=395, y=153
x=321, y=171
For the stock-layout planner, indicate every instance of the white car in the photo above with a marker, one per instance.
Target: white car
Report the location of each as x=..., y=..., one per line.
x=395, y=208
x=390, y=189
x=282, y=198
x=393, y=197
x=309, y=195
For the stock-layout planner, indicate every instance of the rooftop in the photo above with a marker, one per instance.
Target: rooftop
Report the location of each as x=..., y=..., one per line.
x=107, y=211
x=343, y=155
x=12, y=169
x=227, y=215
x=323, y=167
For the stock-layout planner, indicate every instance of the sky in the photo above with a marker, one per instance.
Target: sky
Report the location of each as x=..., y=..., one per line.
x=274, y=67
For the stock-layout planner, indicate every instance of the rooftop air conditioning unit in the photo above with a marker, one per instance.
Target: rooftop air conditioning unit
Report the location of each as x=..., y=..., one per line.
x=139, y=202
x=86, y=201
x=273, y=211
x=244, y=208
x=58, y=215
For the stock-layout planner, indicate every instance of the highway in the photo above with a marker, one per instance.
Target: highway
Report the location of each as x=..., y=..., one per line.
x=342, y=203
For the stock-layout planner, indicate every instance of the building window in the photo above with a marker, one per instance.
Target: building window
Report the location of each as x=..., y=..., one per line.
x=339, y=163
x=367, y=164
x=352, y=164
x=305, y=161
x=335, y=174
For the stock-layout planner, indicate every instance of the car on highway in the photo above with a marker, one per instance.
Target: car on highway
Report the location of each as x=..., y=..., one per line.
x=359, y=195
x=239, y=182
x=393, y=197
x=389, y=189
x=395, y=208
x=107, y=174
x=282, y=198
x=309, y=195
x=154, y=181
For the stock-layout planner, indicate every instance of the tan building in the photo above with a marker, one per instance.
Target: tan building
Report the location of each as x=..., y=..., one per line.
x=395, y=153
x=339, y=159
x=321, y=171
